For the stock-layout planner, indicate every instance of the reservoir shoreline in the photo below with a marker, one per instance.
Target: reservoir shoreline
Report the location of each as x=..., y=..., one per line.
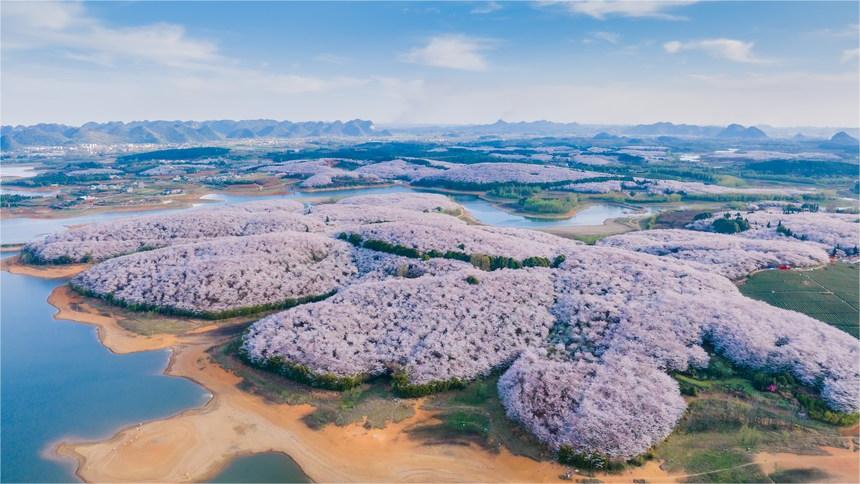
x=197, y=443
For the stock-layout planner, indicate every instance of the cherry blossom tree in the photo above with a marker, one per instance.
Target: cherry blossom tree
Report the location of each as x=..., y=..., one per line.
x=731, y=255
x=104, y=240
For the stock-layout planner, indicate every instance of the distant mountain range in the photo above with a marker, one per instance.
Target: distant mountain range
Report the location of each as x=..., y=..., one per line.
x=736, y=131
x=610, y=132
x=844, y=139
x=211, y=132
x=732, y=131
x=178, y=132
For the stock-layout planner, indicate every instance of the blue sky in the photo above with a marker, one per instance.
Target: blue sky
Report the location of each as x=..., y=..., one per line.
x=778, y=63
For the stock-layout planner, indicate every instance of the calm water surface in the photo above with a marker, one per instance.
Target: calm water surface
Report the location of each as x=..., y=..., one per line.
x=19, y=171
x=59, y=382
x=490, y=214
x=267, y=467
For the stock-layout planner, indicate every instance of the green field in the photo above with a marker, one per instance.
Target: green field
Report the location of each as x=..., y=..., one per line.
x=728, y=421
x=829, y=294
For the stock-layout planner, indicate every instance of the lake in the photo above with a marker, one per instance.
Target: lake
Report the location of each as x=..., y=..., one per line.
x=58, y=382
x=487, y=213
x=17, y=171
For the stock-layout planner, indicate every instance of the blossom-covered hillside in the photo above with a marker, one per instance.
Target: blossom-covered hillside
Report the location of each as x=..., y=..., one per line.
x=102, y=241
x=495, y=173
x=226, y=274
x=732, y=256
x=618, y=407
x=654, y=308
x=341, y=216
x=464, y=239
x=433, y=328
x=321, y=173
x=619, y=321
x=397, y=170
x=421, y=202
x=668, y=187
x=825, y=229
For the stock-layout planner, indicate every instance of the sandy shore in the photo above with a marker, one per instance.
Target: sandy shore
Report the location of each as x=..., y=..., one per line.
x=72, y=306
x=177, y=201
x=198, y=443
x=609, y=227
x=14, y=265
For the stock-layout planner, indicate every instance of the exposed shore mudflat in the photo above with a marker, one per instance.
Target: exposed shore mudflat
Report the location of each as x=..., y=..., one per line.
x=13, y=264
x=197, y=443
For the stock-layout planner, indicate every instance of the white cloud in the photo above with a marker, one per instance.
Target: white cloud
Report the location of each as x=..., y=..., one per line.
x=67, y=28
x=850, y=54
x=451, y=52
x=729, y=49
x=609, y=37
x=43, y=15
x=483, y=8
x=850, y=31
x=601, y=9
x=61, y=64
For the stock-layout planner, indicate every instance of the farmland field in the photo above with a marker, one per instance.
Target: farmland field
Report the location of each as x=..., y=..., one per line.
x=829, y=294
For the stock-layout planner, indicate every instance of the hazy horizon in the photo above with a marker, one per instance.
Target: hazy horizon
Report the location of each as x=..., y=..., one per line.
x=416, y=125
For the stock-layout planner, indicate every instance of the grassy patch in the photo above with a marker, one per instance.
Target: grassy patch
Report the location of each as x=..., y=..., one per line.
x=731, y=418
x=372, y=403
x=471, y=414
x=474, y=414
x=548, y=205
x=589, y=239
x=745, y=473
x=828, y=294
x=149, y=323
x=142, y=323
x=676, y=219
